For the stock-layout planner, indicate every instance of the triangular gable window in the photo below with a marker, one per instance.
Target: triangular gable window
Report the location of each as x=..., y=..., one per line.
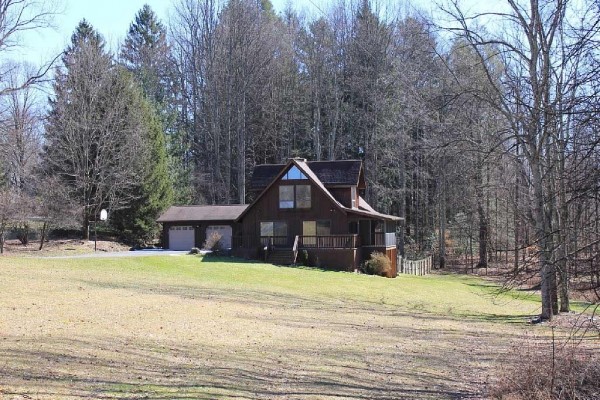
x=293, y=173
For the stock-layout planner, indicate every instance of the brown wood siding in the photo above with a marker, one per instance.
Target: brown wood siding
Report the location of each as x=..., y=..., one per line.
x=338, y=259
x=342, y=195
x=393, y=256
x=267, y=209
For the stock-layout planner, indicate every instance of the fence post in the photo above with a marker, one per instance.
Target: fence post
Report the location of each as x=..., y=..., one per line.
x=402, y=264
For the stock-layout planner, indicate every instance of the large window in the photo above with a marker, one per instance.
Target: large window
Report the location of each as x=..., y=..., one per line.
x=294, y=173
x=316, y=228
x=302, y=196
x=286, y=196
x=273, y=228
x=294, y=196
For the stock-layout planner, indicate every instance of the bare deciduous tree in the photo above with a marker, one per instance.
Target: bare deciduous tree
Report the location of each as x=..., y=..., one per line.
x=540, y=46
x=9, y=202
x=94, y=135
x=20, y=134
x=16, y=18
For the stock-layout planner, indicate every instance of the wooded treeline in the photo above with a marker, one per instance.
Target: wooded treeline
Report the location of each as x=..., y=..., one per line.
x=478, y=129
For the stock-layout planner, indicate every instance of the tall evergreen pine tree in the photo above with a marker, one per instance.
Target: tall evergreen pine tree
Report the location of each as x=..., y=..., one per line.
x=154, y=193
x=147, y=55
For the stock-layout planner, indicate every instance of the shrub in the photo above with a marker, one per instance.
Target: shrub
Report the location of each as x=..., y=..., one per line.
x=571, y=373
x=378, y=264
x=213, y=242
x=303, y=258
x=22, y=232
x=194, y=250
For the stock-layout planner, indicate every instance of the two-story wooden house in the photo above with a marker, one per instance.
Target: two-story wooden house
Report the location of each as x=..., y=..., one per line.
x=299, y=208
x=315, y=208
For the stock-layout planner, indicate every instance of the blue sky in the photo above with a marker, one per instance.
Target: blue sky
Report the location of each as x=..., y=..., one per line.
x=110, y=17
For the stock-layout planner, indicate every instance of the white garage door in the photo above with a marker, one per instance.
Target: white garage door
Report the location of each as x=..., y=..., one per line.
x=224, y=231
x=181, y=237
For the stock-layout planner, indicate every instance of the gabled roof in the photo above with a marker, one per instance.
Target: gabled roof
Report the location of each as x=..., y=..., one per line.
x=303, y=167
x=202, y=213
x=306, y=168
x=362, y=204
x=329, y=173
x=365, y=209
x=373, y=214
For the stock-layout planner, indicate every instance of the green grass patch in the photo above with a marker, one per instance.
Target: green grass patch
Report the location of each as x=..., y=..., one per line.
x=454, y=295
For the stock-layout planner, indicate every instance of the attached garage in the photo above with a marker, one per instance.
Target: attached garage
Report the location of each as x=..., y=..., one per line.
x=181, y=237
x=185, y=227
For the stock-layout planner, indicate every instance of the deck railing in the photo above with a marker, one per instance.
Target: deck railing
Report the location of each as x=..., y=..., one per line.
x=385, y=239
x=329, y=242
x=350, y=241
x=274, y=241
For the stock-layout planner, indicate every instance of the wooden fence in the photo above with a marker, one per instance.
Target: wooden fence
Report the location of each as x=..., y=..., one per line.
x=415, y=267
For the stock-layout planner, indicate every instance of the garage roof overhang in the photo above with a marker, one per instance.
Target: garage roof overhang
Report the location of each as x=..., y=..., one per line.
x=202, y=213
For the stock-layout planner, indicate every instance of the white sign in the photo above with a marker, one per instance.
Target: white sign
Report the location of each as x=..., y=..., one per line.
x=103, y=215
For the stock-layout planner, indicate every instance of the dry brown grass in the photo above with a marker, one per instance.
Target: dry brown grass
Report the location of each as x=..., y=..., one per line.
x=551, y=370
x=166, y=327
x=63, y=247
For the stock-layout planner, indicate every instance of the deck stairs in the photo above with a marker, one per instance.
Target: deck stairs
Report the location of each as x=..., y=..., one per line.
x=281, y=257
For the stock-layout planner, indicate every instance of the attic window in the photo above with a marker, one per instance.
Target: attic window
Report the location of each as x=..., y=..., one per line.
x=294, y=173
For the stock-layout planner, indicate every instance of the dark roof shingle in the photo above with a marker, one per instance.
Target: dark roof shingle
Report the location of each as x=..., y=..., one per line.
x=330, y=173
x=202, y=213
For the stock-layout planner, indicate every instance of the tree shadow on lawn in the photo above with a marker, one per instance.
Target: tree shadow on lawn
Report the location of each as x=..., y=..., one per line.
x=391, y=358
x=501, y=318
x=226, y=259
x=116, y=368
x=263, y=298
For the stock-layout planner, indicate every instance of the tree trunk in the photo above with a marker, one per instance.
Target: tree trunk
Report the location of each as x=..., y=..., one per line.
x=43, y=234
x=516, y=225
x=2, y=238
x=442, y=264
x=483, y=236
x=547, y=274
x=442, y=239
x=86, y=225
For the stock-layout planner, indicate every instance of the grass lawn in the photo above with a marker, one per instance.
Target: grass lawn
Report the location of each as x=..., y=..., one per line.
x=180, y=327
